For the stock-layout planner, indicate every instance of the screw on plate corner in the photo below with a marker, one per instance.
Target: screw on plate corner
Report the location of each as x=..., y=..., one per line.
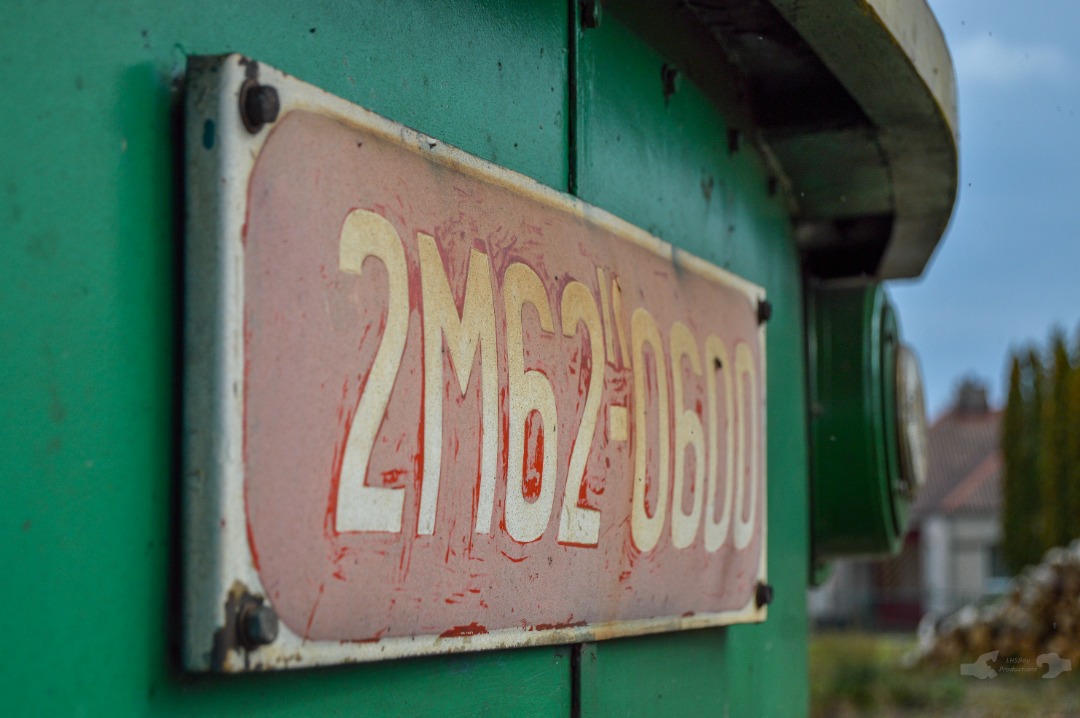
x=763, y=595
x=591, y=13
x=764, y=311
x=259, y=105
x=257, y=623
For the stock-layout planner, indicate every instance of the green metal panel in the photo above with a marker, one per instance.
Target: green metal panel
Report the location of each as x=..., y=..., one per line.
x=91, y=220
x=90, y=211
x=664, y=163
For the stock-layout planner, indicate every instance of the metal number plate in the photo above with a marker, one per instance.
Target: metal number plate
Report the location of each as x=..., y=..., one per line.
x=433, y=406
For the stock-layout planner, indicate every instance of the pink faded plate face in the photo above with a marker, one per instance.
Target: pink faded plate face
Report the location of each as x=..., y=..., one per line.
x=471, y=407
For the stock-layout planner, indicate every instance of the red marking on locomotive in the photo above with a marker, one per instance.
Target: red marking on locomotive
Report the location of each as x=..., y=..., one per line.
x=533, y=456
x=554, y=626
x=473, y=629
x=314, y=608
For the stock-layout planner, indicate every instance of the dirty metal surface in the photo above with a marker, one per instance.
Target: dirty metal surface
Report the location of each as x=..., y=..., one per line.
x=433, y=406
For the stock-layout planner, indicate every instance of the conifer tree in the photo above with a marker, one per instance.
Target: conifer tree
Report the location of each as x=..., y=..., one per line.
x=1055, y=446
x=1033, y=379
x=1072, y=456
x=1021, y=542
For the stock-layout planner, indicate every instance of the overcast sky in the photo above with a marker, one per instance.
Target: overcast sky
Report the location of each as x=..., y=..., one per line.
x=1008, y=268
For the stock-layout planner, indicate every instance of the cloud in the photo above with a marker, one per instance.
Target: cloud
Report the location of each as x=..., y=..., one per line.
x=988, y=60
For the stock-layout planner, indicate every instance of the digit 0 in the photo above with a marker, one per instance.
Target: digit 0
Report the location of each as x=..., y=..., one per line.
x=645, y=530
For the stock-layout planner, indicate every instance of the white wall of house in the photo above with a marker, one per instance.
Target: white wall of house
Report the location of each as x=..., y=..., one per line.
x=845, y=595
x=935, y=544
x=956, y=553
x=955, y=559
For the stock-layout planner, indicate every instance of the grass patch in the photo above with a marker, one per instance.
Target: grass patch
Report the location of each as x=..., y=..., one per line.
x=861, y=674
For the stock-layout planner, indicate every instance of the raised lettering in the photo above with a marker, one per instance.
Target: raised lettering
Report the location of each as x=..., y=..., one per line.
x=688, y=435
x=529, y=391
x=645, y=529
x=361, y=507
x=578, y=524
x=749, y=465
x=464, y=334
x=716, y=360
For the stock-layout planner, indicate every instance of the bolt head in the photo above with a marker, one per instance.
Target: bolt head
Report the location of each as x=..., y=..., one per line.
x=763, y=596
x=764, y=311
x=259, y=105
x=259, y=625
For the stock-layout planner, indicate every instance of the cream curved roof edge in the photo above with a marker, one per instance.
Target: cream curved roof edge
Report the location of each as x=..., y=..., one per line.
x=892, y=58
x=916, y=30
